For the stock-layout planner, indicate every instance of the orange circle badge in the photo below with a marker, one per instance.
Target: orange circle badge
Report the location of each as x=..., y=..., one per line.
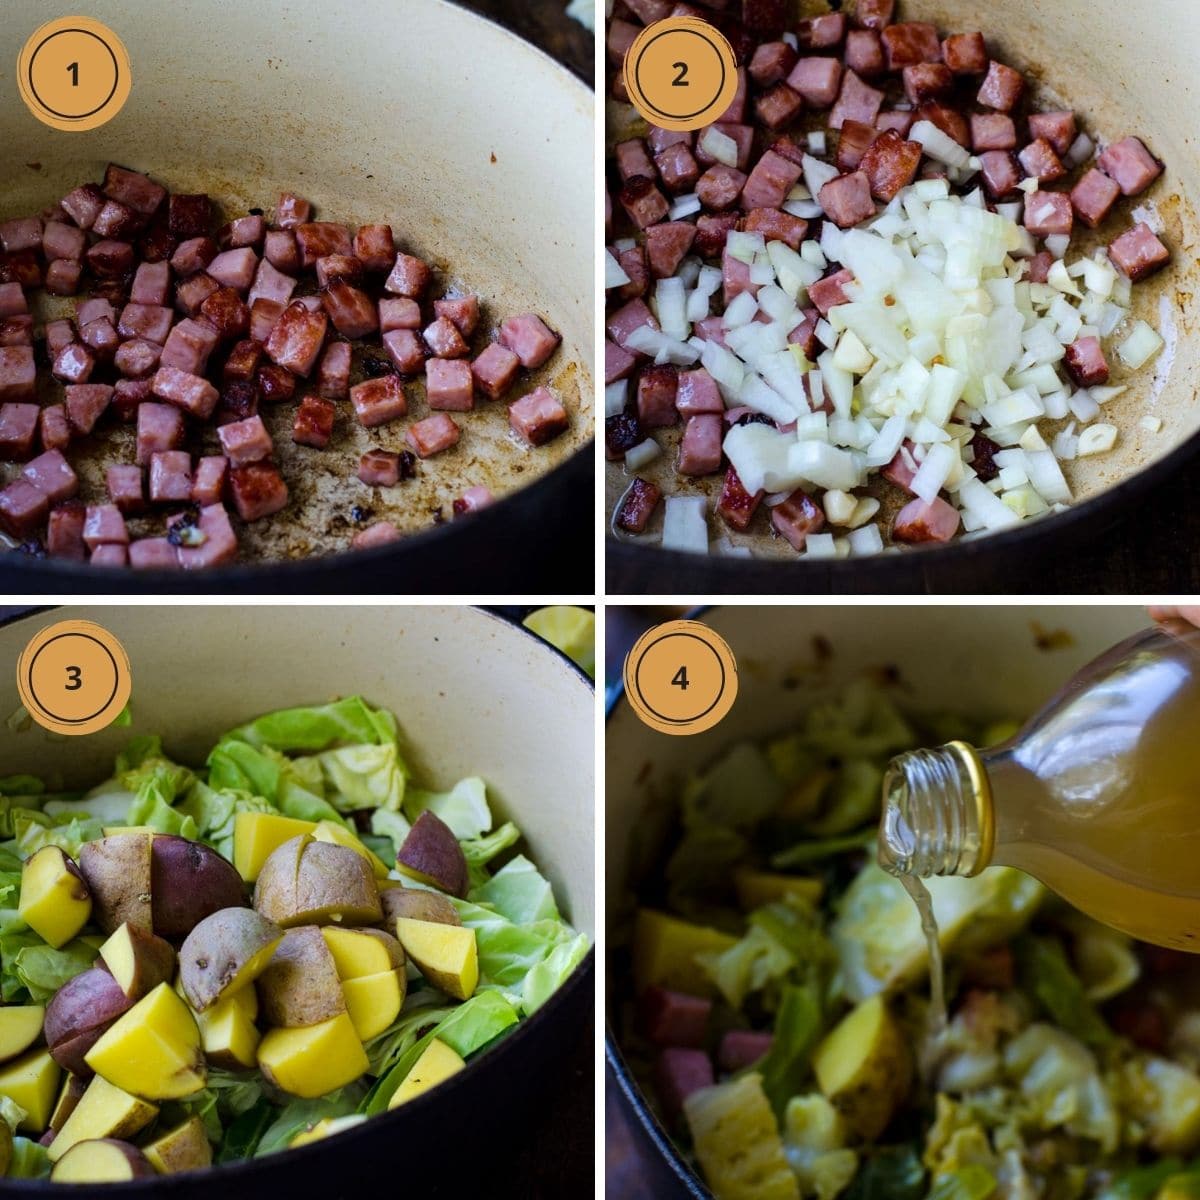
x=681, y=677
x=681, y=73
x=73, y=74
x=74, y=677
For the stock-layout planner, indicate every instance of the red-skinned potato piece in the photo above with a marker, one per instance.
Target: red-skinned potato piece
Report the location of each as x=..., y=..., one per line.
x=431, y=854
x=101, y=1160
x=78, y=1013
x=189, y=881
x=137, y=960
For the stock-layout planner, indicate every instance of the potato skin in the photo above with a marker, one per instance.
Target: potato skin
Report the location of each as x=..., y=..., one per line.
x=77, y=1159
x=300, y=985
x=431, y=852
x=189, y=881
x=117, y=870
x=217, y=950
x=308, y=882
x=417, y=904
x=78, y=1014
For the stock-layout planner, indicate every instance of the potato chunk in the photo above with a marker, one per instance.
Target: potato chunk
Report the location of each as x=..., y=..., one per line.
x=314, y=1060
x=339, y=835
x=435, y=1065
x=104, y=1160
x=431, y=854
x=363, y=951
x=118, y=874
x=446, y=955
x=864, y=1067
x=31, y=1081
x=373, y=1001
x=228, y=1034
x=256, y=836
x=306, y=882
x=55, y=901
x=417, y=903
x=184, y=1148
x=665, y=949
x=225, y=952
x=104, y=1111
x=300, y=985
x=137, y=960
x=20, y=1027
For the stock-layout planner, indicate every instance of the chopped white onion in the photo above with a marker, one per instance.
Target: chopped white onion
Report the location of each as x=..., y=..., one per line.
x=817, y=174
x=685, y=524
x=719, y=146
x=939, y=145
x=614, y=273
x=1080, y=151
x=644, y=452
x=865, y=541
x=684, y=206
x=1097, y=439
x=615, y=397
x=1140, y=347
x=817, y=142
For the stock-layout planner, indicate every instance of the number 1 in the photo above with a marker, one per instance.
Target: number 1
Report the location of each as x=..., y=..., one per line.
x=74, y=69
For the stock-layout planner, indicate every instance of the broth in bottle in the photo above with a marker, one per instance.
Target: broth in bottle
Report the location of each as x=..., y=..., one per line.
x=1098, y=796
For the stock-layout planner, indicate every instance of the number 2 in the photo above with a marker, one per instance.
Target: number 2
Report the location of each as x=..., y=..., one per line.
x=74, y=679
x=74, y=69
x=680, y=80
x=680, y=679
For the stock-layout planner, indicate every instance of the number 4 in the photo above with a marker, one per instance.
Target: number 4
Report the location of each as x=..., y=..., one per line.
x=680, y=679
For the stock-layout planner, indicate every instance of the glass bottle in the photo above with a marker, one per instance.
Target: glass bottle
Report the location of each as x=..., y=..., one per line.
x=1098, y=796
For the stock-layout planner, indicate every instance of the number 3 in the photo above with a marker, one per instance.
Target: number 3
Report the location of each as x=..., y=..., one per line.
x=75, y=679
x=680, y=80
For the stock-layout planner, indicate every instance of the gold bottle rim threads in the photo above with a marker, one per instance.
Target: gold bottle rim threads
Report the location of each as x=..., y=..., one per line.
x=985, y=815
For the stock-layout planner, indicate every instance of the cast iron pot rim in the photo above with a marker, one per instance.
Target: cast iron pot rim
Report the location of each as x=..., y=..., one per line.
x=631, y=1091
x=292, y=570
x=727, y=571
x=584, y=974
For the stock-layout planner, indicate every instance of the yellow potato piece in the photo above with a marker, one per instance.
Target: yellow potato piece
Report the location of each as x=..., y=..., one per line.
x=436, y=1064
x=756, y=888
x=32, y=1081
x=325, y=1127
x=356, y=953
x=373, y=1001
x=153, y=1050
x=445, y=954
x=55, y=903
x=227, y=1032
x=257, y=835
x=184, y=1148
x=339, y=835
x=315, y=1059
x=69, y=1097
x=104, y=1111
x=20, y=1027
x=665, y=949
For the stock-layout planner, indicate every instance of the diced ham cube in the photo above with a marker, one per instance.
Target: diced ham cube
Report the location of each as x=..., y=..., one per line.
x=208, y=481
x=449, y=385
x=86, y=404
x=1002, y=88
x=104, y=523
x=713, y=231
x=634, y=159
x=159, y=427
x=472, y=500
x=776, y=226
x=22, y=508
x=1001, y=174
x=296, y=340
x=18, y=426
x=1039, y=266
x=1093, y=197
x=911, y=42
x=1057, y=128
x=134, y=189
x=171, y=475
x=270, y=284
x=377, y=401
x=382, y=533
x=874, y=14
x=51, y=474
x=538, y=417
x=189, y=345
x=778, y=107
x=624, y=321
x=333, y=375
x=677, y=168
x=23, y=267
x=58, y=335
x=666, y=246
x=275, y=384
x=125, y=488
x=313, y=423
x=258, y=490
x=227, y=313
x=432, y=435
x=696, y=393
x=949, y=120
x=281, y=251
x=16, y=331
x=128, y=394
x=847, y=200
x=668, y=1018
x=741, y=1048
x=496, y=370
x=864, y=53
x=463, y=311
x=822, y=32
x=618, y=364
x=74, y=363
x=700, y=449
x=379, y=468
x=965, y=53
x=1131, y=165
x=903, y=468
x=853, y=143
x=992, y=131
x=796, y=518
x=21, y=233
x=1039, y=162
x=149, y=321
x=151, y=284
x=117, y=220
x=242, y=362
x=530, y=339
x=243, y=231
x=316, y=239
x=771, y=62
x=1048, y=213
x=743, y=138
x=64, y=532
x=642, y=201
x=110, y=554
x=193, y=255
x=152, y=554
x=18, y=373
x=157, y=243
x=720, y=186
x=658, y=388
x=375, y=246
x=736, y=506
x=190, y=392
x=817, y=79
x=339, y=266
x=638, y=505
x=829, y=292
x=351, y=310
x=1086, y=363
x=856, y=101
x=264, y=316
x=890, y=164
x=192, y=292
x=921, y=522
x=678, y=1072
x=291, y=211
x=62, y=277
x=219, y=543
x=409, y=277
x=235, y=268
x=770, y=181
x=1139, y=253
x=443, y=338
x=927, y=81
x=54, y=430
x=83, y=205
x=12, y=300
x=245, y=441
x=399, y=313
x=62, y=241
x=406, y=350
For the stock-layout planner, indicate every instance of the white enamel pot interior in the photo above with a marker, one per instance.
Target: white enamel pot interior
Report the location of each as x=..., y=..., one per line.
x=999, y=662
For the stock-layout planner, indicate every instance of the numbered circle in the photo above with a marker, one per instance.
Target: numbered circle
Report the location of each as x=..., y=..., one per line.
x=681, y=73
x=73, y=74
x=681, y=677
x=74, y=677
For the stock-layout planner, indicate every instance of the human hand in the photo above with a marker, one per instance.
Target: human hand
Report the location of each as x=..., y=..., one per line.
x=1187, y=613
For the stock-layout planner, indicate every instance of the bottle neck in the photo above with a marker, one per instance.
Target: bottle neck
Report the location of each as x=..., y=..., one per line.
x=937, y=813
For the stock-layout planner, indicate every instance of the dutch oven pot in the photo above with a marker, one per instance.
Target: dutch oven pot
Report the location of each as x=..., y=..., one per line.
x=471, y=142
x=1122, y=77
x=474, y=694
x=988, y=661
